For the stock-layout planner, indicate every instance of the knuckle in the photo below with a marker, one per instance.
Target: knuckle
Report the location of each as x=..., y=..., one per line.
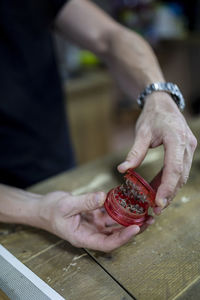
x=178, y=169
x=89, y=203
x=170, y=191
x=182, y=134
x=133, y=153
x=185, y=179
x=193, y=142
x=142, y=131
x=179, y=135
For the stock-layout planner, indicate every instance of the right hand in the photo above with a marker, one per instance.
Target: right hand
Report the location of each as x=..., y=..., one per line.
x=66, y=216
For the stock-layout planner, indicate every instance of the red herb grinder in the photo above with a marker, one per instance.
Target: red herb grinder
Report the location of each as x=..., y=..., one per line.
x=128, y=203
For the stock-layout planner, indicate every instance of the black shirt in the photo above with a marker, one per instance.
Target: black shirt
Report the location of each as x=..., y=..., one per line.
x=34, y=137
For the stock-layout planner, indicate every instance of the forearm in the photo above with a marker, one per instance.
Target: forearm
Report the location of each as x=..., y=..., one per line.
x=129, y=57
x=18, y=206
x=132, y=62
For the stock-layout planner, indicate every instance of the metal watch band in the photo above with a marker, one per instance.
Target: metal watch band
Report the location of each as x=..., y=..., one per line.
x=168, y=87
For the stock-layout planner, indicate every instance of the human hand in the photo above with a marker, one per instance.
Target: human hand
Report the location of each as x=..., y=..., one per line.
x=78, y=220
x=162, y=123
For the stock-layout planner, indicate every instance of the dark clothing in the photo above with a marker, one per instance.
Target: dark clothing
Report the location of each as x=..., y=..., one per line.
x=34, y=138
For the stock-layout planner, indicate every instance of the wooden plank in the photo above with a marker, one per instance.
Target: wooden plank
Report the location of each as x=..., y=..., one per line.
x=27, y=242
x=102, y=171
x=68, y=270
x=74, y=275
x=3, y=296
x=161, y=262
x=190, y=292
x=89, y=109
x=166, y=258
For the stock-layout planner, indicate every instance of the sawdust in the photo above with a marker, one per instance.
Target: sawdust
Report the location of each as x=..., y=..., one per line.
x=78, y=257
x=185, y=199
x=72, y=263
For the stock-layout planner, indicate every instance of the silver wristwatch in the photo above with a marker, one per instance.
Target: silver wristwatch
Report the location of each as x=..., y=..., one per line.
x=168, y=87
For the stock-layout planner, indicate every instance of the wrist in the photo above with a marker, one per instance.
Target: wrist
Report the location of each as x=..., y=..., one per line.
x=160, y=101
x=32, y=209
x=18, y=206
x=166, y=87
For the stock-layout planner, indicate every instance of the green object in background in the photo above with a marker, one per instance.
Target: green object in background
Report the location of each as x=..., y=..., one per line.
x=88, y=59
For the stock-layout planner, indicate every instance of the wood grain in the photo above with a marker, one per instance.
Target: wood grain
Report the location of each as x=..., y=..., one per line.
x=162, y=263
x=164, y=260
x=68, y=270
x=3, y=296
x=89, y=109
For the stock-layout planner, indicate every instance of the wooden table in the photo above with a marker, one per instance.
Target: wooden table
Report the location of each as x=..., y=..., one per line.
x=162, y=263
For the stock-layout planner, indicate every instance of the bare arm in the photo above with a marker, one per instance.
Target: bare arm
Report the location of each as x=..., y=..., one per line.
x=127, y=54
x=18, y=206
x=62, y=214
x=134, y=66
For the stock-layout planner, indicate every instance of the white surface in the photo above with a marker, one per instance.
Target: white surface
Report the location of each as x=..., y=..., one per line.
x=39, y=283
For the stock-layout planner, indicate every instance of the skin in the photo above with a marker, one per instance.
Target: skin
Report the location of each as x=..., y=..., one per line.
x=134, y=65
x=80, y=219
x=77, y=219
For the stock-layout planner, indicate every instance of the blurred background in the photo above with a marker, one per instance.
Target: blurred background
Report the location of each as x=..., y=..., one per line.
x=102, y=118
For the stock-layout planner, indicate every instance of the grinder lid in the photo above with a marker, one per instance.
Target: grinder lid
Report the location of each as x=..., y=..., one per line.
x=139, y=181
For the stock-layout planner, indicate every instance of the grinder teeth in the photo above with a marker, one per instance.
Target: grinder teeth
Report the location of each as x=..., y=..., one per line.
x=123, y=203
x=131, y=190
x=136, y=208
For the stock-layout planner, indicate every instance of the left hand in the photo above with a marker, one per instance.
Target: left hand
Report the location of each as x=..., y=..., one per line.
x=161, y=122
x=81, y=221
x=100, y=219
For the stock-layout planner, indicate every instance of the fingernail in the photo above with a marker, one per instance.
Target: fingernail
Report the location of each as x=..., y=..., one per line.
x=124, y=165
x=100, y=198
x=158, y=210
x=150, y=221
x=136, y=228
x=162, y=202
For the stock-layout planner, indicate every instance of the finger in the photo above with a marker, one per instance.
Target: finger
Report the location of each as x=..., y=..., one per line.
x=183, y=179
x=187, y=166
x=137, y=152
x=157, y=210
x=150, y=220
x=147, y=223
x=172, y=171
x=188, y=156
x=86, y=202
x=186, y=170
x=104, y=219
x=101, y=220
x=107, y=243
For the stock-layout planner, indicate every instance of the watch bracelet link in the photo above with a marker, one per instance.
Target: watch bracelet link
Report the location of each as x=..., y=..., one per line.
x=168, y=87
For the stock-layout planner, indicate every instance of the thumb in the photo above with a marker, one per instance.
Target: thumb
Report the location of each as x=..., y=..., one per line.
x=88, y=202
x=137, y=152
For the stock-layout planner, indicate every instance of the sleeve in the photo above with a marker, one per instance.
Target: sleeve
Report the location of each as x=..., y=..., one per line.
x=56, y=5
x=47, y=10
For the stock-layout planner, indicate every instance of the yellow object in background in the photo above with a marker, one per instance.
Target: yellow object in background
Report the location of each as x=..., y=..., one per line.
x=88, y=59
